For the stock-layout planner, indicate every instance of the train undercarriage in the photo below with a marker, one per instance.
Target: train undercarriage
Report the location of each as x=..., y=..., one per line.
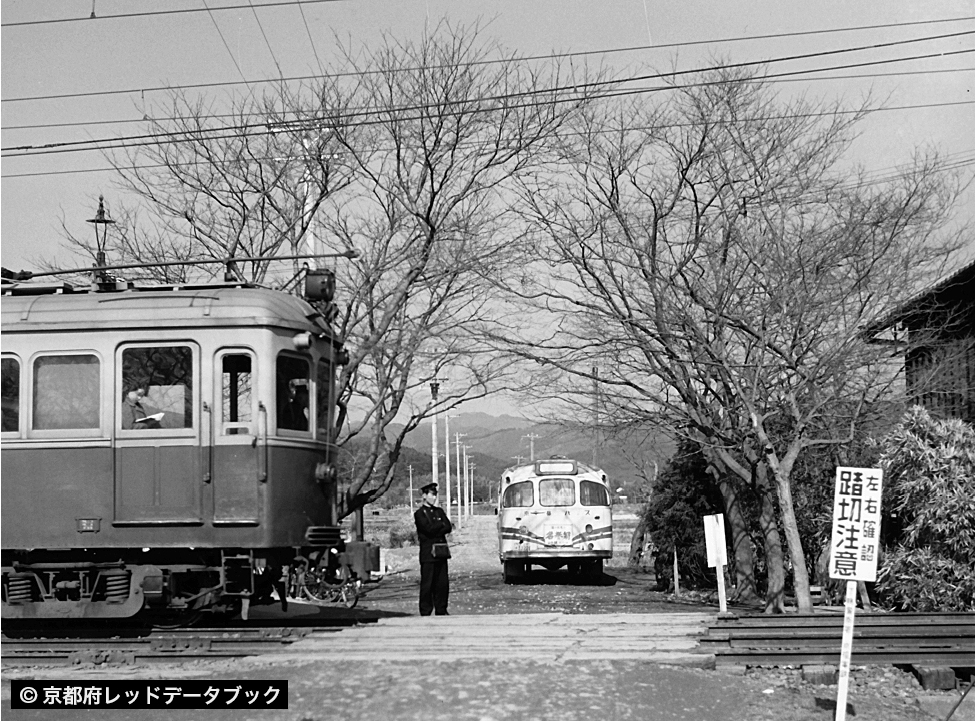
x=165, y=586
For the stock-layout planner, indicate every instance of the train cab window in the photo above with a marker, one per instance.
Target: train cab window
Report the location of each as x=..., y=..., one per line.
x=157, y=388
x=10, y=368
x=293, y=380
x=593, y=494
x=237, y=393
x=519, y=495
x=67, y=393
x=557, y=492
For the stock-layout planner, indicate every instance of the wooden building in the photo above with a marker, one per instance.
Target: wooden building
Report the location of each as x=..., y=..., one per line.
x=936, y=332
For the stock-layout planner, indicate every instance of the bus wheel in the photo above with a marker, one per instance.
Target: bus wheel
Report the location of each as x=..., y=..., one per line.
x=594, y=569
x=512, y=571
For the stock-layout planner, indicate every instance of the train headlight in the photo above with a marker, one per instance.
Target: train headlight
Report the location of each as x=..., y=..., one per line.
x=588, y=528
x=303, y=341
x=589, y=547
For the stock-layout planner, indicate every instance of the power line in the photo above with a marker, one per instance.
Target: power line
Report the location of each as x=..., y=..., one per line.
x=311, y=40
x=151, y=13
x=530, y=58
x=224, y=40
x=229, y=131
x=218, y=116
x=266, y=41
x=961, y=162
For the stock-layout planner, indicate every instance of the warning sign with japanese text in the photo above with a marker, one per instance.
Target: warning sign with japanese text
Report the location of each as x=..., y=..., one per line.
x=856, y=524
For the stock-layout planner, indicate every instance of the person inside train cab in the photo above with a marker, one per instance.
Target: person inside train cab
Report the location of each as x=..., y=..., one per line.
x=134, y=414
x=432, y=527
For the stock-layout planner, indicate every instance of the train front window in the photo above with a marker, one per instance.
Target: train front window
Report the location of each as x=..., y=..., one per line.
x=593, y=494
x=157, y=388
x=67, y=392
x=293, y=380
x=11, y=394
x=557, y=492
x=237, y=394
x=518, y=495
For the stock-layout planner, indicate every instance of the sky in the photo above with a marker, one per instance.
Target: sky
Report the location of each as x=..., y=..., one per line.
x=84, y=78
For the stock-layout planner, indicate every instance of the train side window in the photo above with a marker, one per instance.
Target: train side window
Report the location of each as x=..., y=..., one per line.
x=324, y=388
x=237, y=393
x=519, y=495
x=157, y=388
x=11, y=394
x=557, y=492
x=67, y=393
x=293, y=379
x=593, y=494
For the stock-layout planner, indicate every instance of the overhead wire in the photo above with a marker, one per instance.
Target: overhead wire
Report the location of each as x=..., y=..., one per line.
x=266, y=41
x=224, y=40
x=530, y=58
x=219, y=116
x=153, y=13
x=311, y=40
x=151, y=166
x=216, y=133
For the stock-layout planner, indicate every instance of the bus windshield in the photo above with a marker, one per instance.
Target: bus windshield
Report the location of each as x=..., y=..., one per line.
x=557, y=492
x=519, y=495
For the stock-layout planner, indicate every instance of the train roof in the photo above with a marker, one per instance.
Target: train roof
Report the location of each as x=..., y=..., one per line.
x=31, y=307
x=545, y=467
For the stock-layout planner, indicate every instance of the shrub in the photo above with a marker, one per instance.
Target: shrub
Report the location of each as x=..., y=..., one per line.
x=401, y=534
x=929, y=515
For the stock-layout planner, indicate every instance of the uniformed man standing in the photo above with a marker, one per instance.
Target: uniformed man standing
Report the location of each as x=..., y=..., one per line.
x=432, y=527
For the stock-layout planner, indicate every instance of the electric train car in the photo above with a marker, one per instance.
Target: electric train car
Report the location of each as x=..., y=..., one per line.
x=165, y=450
x=554, y=513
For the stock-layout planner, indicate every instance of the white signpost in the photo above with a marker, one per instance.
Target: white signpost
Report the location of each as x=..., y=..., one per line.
x=717, y=552
x=853, y=552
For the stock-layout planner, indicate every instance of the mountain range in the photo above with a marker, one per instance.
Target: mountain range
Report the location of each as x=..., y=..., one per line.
x=498, y=442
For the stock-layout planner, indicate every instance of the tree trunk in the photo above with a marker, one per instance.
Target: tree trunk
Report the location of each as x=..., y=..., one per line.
x=800, y=575
x=774, y=557
x=638, y=543
x=746, y=590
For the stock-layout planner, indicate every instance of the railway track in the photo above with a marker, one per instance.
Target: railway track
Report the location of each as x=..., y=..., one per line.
x=155, y=647
x=937, y=639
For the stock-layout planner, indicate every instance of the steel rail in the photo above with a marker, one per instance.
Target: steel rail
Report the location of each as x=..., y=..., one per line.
x=158, y=646
x=946, y=639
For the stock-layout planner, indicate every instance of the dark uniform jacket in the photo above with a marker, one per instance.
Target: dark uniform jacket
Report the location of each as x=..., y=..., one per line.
x=432, y=526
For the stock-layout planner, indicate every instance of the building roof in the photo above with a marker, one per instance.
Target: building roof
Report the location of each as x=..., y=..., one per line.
x=950, y=293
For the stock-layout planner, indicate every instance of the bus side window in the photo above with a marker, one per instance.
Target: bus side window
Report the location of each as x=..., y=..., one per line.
x=519, y=495
x=11, y=394
x=237, y=394
x=67, y=392
x=593, y=494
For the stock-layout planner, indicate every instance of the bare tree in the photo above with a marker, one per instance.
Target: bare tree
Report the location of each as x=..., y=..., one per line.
x=438, y=133
x=711, y=257
x=408, y=154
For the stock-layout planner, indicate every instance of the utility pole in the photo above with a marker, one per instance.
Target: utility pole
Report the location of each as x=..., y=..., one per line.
x=460, y=474
x=473, y=466
x=435, y=461
x=595, y=416
x=409, y=501
x=531, y=444
x=446, y=464
x=518, y=460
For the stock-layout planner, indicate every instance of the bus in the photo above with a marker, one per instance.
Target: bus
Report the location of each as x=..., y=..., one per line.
x=554, y=513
